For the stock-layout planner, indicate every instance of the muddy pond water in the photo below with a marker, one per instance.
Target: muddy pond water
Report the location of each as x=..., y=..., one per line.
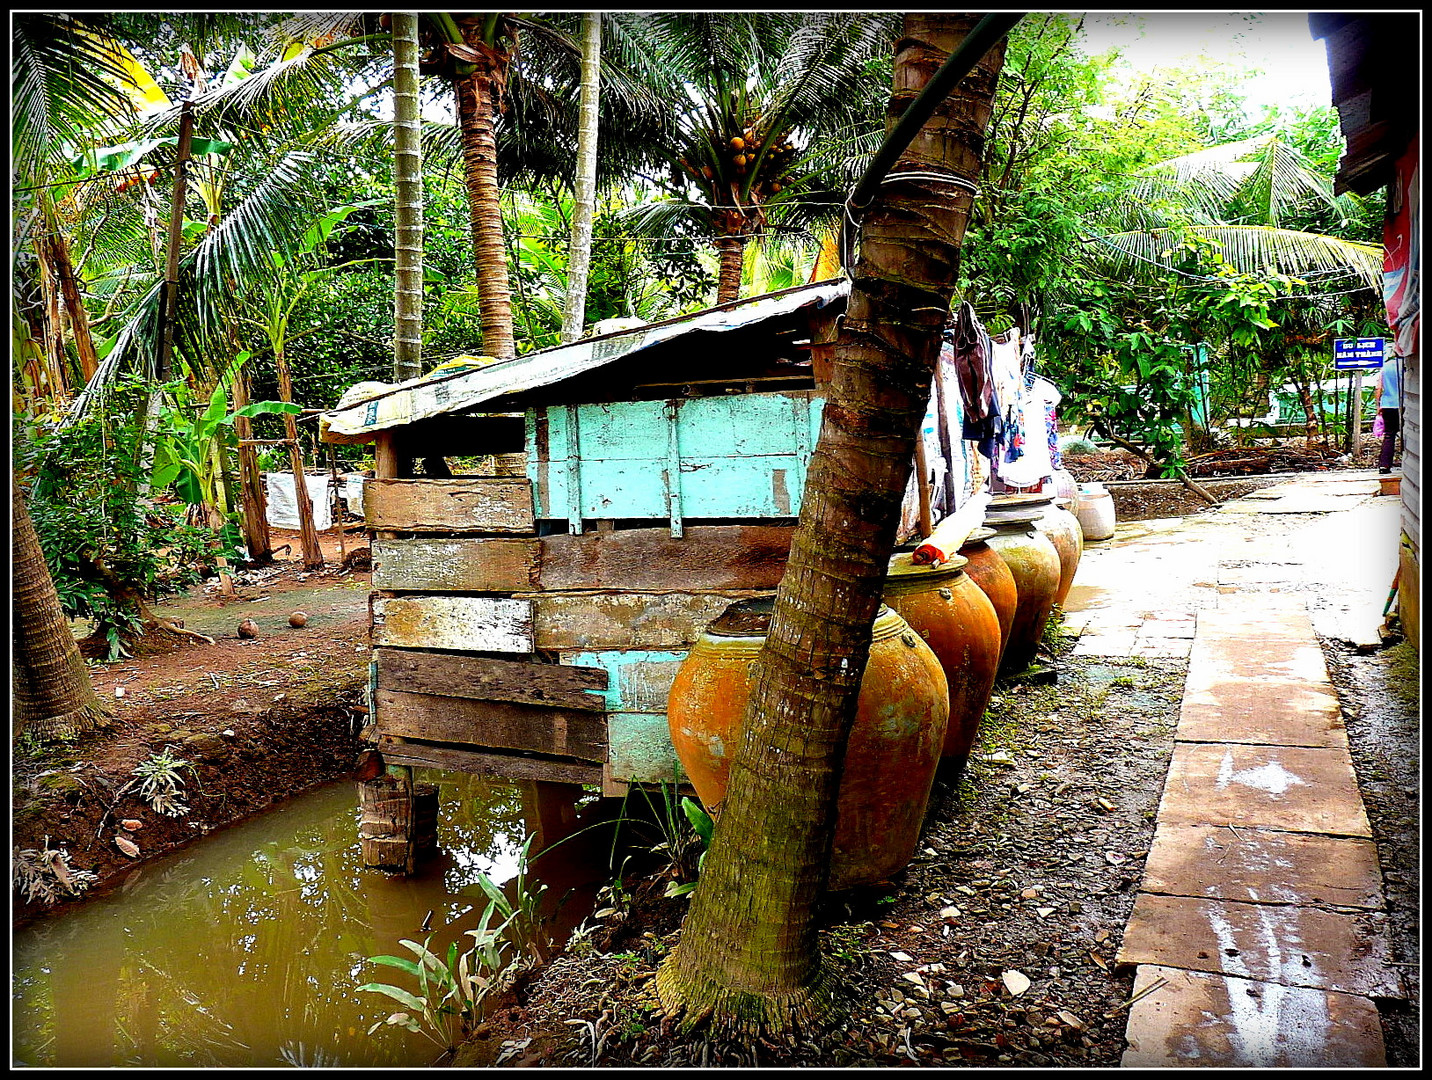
x=248, y=948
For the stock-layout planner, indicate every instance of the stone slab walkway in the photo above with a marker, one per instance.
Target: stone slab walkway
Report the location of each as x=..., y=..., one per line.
x=1259, y=933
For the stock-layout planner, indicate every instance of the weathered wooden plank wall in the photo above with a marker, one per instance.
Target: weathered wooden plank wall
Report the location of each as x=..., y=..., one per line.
x=488, y=504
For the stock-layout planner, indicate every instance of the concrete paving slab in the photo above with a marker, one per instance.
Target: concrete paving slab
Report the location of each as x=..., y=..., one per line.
x=1162, y=648
x=1092, y=644
x=1263, y=866
x=1258, y=618
x=1285, y=658
x=1297, y=788
x=1288, y=944
x=1270, y=712
x=1197, y=1018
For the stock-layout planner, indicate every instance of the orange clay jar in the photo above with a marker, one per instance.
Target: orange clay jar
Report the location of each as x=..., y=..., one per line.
x=894, y=746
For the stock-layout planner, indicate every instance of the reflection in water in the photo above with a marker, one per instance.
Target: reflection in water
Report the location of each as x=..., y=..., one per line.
x=248, y=948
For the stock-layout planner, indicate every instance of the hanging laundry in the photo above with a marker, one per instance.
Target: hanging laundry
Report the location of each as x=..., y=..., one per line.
x=1036, y=464
x=1009, y=389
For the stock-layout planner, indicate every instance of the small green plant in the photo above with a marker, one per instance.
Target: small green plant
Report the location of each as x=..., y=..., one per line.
x=451, y=989
x=160, y=782
x=46, y=874
x=704, y=827
x=521, y=915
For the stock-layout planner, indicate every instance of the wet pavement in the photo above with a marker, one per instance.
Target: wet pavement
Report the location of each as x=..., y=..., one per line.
x=1259, y=934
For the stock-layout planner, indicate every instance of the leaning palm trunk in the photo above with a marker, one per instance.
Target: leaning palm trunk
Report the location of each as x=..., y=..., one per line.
x=748, y=958
x=408, y=201
x=476, y=111
x=53, y=694
x=585, y=202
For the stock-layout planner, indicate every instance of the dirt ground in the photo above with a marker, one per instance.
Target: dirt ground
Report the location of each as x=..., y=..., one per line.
x=1027, y=870
x=257, y=720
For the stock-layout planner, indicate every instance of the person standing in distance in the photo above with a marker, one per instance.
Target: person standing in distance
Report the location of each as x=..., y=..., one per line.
x=1389, y=407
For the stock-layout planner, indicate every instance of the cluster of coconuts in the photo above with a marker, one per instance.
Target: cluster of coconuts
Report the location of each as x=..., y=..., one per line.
x=739, y=155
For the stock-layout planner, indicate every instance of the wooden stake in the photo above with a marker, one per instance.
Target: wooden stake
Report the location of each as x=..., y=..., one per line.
x=308, y=535
x=255, y=506
x=176, y=235
x=337, y=504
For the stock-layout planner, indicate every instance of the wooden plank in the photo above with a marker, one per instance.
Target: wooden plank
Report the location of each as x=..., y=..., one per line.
x=484, y=679
x=706, y=557
x=464, y=623
x=612, y=620
x=456, y=564
x=491, y=725
x=502, y=766
x=487, y=504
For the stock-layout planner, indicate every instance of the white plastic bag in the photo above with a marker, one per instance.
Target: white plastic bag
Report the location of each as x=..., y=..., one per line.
x=283, y=505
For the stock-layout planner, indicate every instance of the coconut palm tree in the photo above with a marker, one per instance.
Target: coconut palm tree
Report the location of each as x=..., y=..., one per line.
x=1239, y=195
x=54, y=697
x=754, y=95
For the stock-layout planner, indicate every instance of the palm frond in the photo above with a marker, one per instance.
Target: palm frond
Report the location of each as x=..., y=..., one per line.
x=64, y=84
x=1247, y=248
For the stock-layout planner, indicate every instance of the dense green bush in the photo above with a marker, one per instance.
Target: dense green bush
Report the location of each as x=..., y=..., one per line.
x=83, y=483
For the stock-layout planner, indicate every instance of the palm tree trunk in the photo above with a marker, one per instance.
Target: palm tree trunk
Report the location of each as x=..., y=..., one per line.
x=733, y=256
x=476, y=112
x=53, y=694
x=747, y=957
x=585, y=195
x=56, y=253
x=408, y=202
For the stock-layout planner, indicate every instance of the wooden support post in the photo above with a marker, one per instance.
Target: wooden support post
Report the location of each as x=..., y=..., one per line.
x=385, y=467
x=398, y=824
x=308, y=535
x=1356, y=405
x=337, y=503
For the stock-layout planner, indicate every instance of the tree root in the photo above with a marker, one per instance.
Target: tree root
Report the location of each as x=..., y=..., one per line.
x=693, y=1000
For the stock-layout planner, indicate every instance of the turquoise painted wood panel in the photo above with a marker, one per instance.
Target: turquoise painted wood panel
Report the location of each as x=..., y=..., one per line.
x=639, y=749
x=637, y=679
x=738, y=456
x=639, y=746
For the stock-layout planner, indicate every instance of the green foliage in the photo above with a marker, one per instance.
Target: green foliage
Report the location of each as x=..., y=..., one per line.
x=521, y=913
x=84, y=500
x=161, y=783
x=450, y=990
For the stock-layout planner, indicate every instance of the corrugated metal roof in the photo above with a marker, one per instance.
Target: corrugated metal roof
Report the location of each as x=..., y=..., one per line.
x=429, y=396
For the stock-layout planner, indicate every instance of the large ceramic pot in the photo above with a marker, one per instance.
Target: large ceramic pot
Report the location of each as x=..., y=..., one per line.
x=988, y=571
x=1066, y=487
x=945, y=607
x=1034, y=564
x=1064, y=529
x=1096, y=512
x=894, y=746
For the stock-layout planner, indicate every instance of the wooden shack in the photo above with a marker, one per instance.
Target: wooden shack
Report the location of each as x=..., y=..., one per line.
x=527, y=623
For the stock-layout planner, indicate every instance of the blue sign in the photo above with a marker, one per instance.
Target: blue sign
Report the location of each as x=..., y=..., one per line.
x=1357, y=354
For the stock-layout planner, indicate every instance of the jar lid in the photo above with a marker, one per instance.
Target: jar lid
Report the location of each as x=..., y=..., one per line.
x=752, y=618
x=1013, y=515
x=903, y=566
x=1029, y=498
x=977, y=535
x=744, y=618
